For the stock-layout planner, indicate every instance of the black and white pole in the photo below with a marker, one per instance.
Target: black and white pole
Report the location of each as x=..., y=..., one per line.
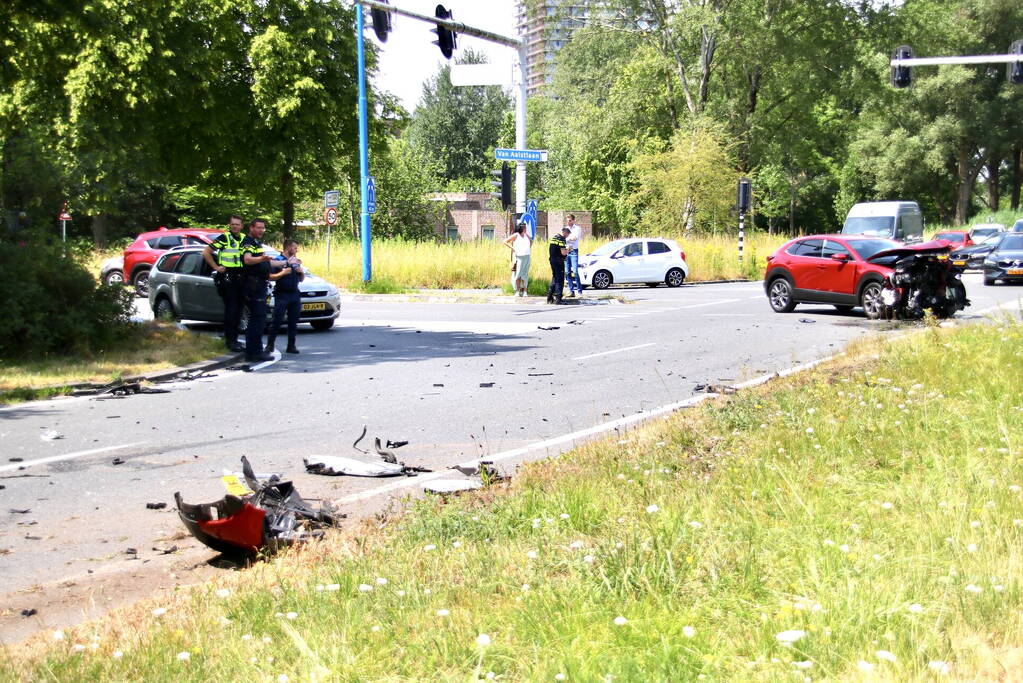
x=743, y=204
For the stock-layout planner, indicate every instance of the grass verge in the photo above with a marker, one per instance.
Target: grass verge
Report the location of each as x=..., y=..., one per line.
x=154, y=346
x=861, y=520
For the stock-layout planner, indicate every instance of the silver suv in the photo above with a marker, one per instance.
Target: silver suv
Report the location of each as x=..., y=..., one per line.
x=181, y=288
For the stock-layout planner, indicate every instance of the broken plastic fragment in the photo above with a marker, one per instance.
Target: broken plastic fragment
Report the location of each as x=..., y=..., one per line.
x=51, y=435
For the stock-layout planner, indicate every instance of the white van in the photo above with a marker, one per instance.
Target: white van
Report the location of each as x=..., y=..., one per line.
x=900, y=221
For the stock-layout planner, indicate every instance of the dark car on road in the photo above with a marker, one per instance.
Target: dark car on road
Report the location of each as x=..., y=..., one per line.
x=881, y=275
x=973, y=257
x=1005, y=262
x=182, y=288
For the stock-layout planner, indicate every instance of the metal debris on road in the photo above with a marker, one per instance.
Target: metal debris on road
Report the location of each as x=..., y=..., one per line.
x=486, y=385
x=16, y=511
x=807, y=320
x=51, y=435
x=117, y=461
x=355, y=445
x=155, y=506
x=272, y=517
x=484, y=474
x=547, y=329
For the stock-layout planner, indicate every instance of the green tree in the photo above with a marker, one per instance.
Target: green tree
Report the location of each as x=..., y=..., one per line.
x=459, y=127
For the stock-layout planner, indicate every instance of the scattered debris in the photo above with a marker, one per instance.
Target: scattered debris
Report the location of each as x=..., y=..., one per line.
x=547, y=329
x=16, y=511
x=396, y=444
x=131, y=551
x=166, y=551
x=51, y=435
x=714, y=388
x=274, y=516
x=486, y=385
x=155, y=506
x=575, y=322
x=447, y=486
x=15, y=459
x=336, y=466
x=484, y=470
x=807, y=320
x=117, y=461
x=130, y=389
x=387, y=455
x=540, y=374
x=29, y=612
x=355, y=445
x=438, y=385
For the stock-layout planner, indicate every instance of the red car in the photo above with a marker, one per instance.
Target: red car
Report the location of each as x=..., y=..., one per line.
x=957, y=238
x=141, y=254
x=881, y=275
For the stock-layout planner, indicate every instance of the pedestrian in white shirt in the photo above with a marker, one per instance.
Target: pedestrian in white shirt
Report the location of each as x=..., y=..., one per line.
x=521, y=247
x=575, y=233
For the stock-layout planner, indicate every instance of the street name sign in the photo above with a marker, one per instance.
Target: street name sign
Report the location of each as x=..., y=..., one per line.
x=520, y=154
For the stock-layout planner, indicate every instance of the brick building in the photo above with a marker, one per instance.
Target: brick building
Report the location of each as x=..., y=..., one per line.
x=471, y=216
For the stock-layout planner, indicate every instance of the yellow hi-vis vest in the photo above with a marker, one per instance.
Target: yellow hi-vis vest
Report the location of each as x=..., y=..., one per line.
x=229, y=253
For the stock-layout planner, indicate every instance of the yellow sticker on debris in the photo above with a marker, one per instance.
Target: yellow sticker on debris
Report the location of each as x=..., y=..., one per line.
x=234, y=485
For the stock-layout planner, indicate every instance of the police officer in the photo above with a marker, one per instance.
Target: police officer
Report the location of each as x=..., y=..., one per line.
x=228, y=269
x=287, y=298
x=256, y=281
x=556, y=254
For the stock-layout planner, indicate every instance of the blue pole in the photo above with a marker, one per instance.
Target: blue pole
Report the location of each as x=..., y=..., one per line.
x=367, y=261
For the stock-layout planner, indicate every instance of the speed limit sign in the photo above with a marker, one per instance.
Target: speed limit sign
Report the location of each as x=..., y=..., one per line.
x=330, y=215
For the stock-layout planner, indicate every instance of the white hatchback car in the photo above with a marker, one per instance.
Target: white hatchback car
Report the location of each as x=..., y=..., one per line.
x=634, y=260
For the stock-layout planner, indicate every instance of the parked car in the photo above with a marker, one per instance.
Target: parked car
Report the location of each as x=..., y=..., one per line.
x=1017, y=226
x=973, y=257
x=112, y=271
x=901, y=221
x=984, y=230
x=1005, y=262
x=140, y=255
x=634, y=260
x=181, y=287
x=847, y=271
x=957, y=238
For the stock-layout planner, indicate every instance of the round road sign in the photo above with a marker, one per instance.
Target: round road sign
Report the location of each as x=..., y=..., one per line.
x=330, y=215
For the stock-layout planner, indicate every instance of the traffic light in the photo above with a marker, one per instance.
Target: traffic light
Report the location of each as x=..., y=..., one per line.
x=1014, y=70
x=902, y=77
x=446, y=38
x=381, y=21
x=744, y=195
x=502, y=182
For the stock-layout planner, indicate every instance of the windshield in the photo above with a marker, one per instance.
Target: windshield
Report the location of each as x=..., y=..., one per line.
x=609, y=248
x=867, y=248
x=1013, y=242
x=869, y=225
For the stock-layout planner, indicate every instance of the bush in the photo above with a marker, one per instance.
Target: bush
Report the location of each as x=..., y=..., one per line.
x=51, y=305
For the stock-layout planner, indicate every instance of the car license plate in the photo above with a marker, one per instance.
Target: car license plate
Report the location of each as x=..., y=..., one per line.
x=959, y=263
x=1014, y=271
x=318, y=306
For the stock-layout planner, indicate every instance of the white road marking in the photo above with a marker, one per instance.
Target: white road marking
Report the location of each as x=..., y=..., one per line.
x=450, y=325
x=706, y=303
x=607, y=353
x=66, y=456
x=727, y=315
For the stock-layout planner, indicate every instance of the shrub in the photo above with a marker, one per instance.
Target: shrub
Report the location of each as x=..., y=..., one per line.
x=51, y=305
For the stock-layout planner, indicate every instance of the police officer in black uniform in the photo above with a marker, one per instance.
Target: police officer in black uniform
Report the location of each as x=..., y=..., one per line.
x=557, y=251
x=228, y=268
x=256, y=284
x=287, y=297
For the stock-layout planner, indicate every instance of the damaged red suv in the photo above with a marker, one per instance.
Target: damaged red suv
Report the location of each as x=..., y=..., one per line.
x=886, y=278
x=140, y=255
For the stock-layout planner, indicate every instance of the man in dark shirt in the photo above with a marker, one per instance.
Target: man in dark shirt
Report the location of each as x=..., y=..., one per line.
x=257, y=277
x=227, y=264
x=556, y=253
x=287, y=298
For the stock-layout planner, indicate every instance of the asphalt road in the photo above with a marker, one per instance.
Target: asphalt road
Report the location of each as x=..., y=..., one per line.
x=458, y=381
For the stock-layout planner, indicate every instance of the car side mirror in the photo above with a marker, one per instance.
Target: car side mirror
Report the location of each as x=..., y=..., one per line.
x=841, y=258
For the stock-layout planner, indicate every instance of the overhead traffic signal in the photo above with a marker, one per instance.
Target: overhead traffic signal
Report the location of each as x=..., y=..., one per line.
x=1014, y=70
x=446, y=38
x=502, y=182
x=381, y=21
x=902, y=77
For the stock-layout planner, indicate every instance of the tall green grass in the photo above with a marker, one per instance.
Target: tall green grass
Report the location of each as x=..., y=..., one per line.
x=486, y=264
x=863, y=520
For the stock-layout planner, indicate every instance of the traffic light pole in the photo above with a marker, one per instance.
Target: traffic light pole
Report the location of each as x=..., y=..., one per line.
x=365, y=231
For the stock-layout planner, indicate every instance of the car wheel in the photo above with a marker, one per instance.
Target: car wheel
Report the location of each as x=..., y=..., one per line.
x=322, y=325
x=602, y=279
x=114, y=278
x=675, y=277
x=870, y=299
x=842, y=308
x=989, y=281
x=164, y=309
x=779, y=294
x=653, y=284
x=142, y=283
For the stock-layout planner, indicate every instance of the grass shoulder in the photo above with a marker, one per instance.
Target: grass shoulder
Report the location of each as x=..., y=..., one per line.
x=149, y=347
x=860, y=519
